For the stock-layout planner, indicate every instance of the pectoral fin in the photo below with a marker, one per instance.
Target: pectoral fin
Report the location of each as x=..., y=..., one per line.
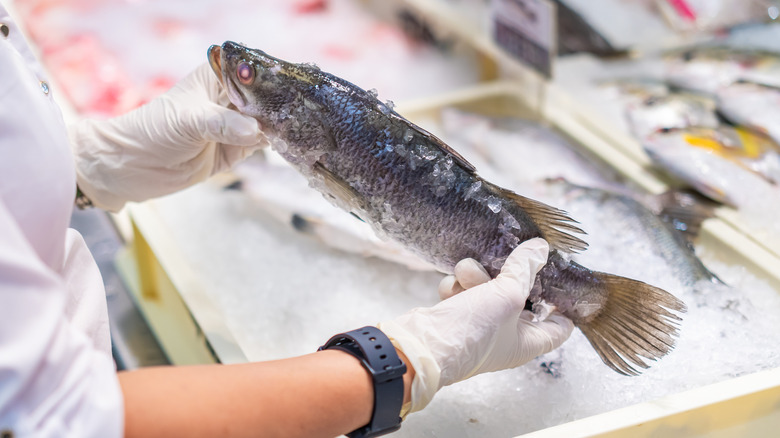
x=341, y=192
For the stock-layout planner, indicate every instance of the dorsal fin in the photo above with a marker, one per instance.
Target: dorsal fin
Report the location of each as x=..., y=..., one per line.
x=555, y=224
x=436, y=141
x=344, y=84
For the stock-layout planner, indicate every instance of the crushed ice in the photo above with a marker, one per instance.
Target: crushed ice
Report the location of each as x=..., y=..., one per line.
x=736, y=328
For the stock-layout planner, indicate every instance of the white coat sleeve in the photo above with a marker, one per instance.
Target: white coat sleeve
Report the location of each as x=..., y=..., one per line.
x=53, y=381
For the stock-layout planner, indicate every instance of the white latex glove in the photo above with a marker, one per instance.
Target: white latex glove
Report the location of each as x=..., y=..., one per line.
x=481, y=329
x=172, y=142
x=468, y=273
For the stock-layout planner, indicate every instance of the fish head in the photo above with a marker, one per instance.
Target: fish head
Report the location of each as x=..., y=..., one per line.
x=258, y=84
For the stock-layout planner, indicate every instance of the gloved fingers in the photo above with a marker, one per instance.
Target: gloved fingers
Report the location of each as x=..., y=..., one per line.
x=449, y=286
x=543, y=336
x=518, y=274
x=229, y=156
x=197, y=108
x=229, y=127
x=503, y=297
x=470, y=273
x=204, y=85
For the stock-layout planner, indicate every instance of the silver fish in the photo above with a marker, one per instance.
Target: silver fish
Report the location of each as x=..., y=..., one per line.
x=705, y=69
x=725, y=164
x=671, y=111
x=415, y=189
x=666, y=238
x=651, y=105
x=755, y=106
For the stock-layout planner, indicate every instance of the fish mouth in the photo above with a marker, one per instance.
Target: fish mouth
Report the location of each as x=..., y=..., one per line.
x=215, y=54
x=215, y=61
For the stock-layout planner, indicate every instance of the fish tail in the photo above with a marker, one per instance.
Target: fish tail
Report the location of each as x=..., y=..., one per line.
x=636, y=323
x=683, y=212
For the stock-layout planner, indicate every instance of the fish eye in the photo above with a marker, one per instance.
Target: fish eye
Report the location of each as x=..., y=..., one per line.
x=245, y=73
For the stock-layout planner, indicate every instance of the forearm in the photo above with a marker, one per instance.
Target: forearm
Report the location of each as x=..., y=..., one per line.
x=326, y=394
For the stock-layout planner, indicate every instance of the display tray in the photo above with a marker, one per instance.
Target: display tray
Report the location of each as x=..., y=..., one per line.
x=221, y=280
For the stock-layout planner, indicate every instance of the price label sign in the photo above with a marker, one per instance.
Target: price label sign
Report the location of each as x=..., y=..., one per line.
x=526, y=30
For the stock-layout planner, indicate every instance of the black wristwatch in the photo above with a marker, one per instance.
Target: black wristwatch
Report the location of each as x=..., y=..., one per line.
x=378, y=356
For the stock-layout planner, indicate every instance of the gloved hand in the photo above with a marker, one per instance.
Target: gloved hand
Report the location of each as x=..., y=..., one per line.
x=172, y=142
x=481, y=329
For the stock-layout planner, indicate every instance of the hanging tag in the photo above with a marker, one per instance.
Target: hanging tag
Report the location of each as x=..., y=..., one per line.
x=526, y=30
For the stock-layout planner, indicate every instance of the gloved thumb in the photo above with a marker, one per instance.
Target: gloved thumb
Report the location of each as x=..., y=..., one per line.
x=468, y=273
x=520, y=268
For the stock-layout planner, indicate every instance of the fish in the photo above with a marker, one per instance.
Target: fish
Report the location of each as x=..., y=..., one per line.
x=665, y=223
x=706, y=69
x=662, y=224
x=752, y=105
x=670, y=111
x=650, y=105
x=634, y=89
x=724, y=163
x=413, y=188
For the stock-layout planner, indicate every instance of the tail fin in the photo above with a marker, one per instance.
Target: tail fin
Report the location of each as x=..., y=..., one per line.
x=636, y=324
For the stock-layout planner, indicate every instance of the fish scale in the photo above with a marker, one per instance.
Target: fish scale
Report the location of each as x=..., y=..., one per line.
x=436, y=205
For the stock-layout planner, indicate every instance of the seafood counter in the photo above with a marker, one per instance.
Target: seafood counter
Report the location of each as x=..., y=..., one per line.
x=665, y=166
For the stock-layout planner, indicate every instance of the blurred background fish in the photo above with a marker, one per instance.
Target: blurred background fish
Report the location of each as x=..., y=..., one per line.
x=729, y=165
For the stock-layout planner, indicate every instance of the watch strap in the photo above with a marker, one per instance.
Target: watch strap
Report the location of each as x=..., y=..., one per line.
x=379, y=357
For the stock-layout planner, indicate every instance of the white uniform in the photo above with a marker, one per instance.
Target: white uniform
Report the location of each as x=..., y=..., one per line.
x=57, y=377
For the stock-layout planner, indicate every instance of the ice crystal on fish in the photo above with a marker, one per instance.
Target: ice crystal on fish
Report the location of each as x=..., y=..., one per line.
x=279, y=145
x=494, y=204
x=472, y=190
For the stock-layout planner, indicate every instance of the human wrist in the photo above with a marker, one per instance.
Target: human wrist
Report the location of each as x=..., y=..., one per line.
x=408, y=376
x=425, y=379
